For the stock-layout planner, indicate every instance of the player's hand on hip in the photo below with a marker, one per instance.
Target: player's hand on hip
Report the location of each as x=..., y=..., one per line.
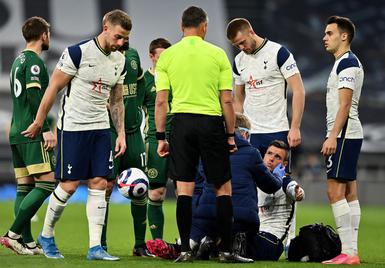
x=49, y=140
x=299, y=193
x=120, y=145
x=32, y=131
x=294, y=137
x=163, y=148
x=329, y=146
x=232, y=146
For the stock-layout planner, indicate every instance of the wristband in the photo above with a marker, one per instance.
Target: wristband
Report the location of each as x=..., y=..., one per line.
x=160, y=136
x=228, y=135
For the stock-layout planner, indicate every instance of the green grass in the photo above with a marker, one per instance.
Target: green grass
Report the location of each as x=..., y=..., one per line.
x=72, y=238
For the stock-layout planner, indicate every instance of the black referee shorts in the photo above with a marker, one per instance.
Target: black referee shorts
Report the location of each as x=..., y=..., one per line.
x=195, y=136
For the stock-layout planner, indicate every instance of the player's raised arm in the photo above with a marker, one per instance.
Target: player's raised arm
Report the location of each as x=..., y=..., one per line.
x=58, y=81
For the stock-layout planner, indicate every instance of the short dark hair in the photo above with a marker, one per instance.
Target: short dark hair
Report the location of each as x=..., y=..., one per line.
x=34, y=27
x=242, y=121
x=281, y=145
x=237, y=25
x=158, y=43
x=344, y=24
x=118, y=17
x=193, y=16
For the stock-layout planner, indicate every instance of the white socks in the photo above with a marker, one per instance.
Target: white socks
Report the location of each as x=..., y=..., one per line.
x=341, y=212
x=96, y=211
x=355, y=214
x=57, y=203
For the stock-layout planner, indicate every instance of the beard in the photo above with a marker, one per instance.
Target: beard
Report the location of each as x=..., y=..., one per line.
x=125, y=46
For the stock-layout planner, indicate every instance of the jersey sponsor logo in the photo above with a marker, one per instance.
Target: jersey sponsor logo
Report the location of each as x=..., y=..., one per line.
x=253, y=83
x=291, y=66
x=130, y=90
x=134, y=65
x=35, y=69
x=347, y=79
x=97, y=86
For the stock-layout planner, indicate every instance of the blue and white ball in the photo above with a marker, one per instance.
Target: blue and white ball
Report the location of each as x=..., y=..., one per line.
x=133, y=183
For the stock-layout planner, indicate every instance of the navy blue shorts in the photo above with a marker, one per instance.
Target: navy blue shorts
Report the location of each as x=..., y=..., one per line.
x=343, y=164
x=264, y=246
x=83, y=155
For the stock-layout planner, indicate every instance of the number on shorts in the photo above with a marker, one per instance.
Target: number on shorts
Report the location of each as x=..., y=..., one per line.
x=329, y=162
x=143, y=159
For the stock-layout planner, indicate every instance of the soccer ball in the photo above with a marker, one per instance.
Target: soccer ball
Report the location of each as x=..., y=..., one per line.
x=133, y=183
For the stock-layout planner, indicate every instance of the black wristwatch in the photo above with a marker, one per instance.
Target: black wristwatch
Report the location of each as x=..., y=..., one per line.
x=228, y=135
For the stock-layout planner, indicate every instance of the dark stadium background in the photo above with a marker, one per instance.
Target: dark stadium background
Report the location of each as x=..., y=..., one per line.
x=298, y=25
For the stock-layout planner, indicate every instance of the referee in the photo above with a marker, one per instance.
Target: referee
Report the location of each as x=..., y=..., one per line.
x=200, y=77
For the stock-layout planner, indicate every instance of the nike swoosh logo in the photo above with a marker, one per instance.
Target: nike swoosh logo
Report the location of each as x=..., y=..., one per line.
x=110, y=167
x=91, y=65
x=328, y=170
x=243, y=69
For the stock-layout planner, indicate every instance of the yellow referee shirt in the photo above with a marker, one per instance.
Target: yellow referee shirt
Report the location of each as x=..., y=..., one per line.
x=196, y=71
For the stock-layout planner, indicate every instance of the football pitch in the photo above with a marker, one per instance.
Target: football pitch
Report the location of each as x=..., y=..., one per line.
x=72, y=238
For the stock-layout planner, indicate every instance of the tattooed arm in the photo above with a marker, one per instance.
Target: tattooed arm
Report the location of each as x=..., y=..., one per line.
x=117, y=116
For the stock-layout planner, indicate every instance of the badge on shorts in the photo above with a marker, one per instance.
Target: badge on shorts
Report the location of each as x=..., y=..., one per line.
x=53, y=160
x=35, y=69
x=152, y=173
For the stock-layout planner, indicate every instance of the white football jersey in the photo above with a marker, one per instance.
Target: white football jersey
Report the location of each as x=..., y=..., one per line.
x=95, y=73
x=276, y=211
x=264, y=75
x=348, y=73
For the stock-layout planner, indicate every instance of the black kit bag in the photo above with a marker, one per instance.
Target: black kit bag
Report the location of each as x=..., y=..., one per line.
x=315, y=243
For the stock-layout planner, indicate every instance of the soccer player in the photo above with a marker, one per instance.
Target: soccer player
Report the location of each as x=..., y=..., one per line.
x=93, y=72
x=276, y=211
x=156, y=166
x=199, y=74
x=344, y=135
x=262, y=71
x=33, y=159
x=134, y=156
